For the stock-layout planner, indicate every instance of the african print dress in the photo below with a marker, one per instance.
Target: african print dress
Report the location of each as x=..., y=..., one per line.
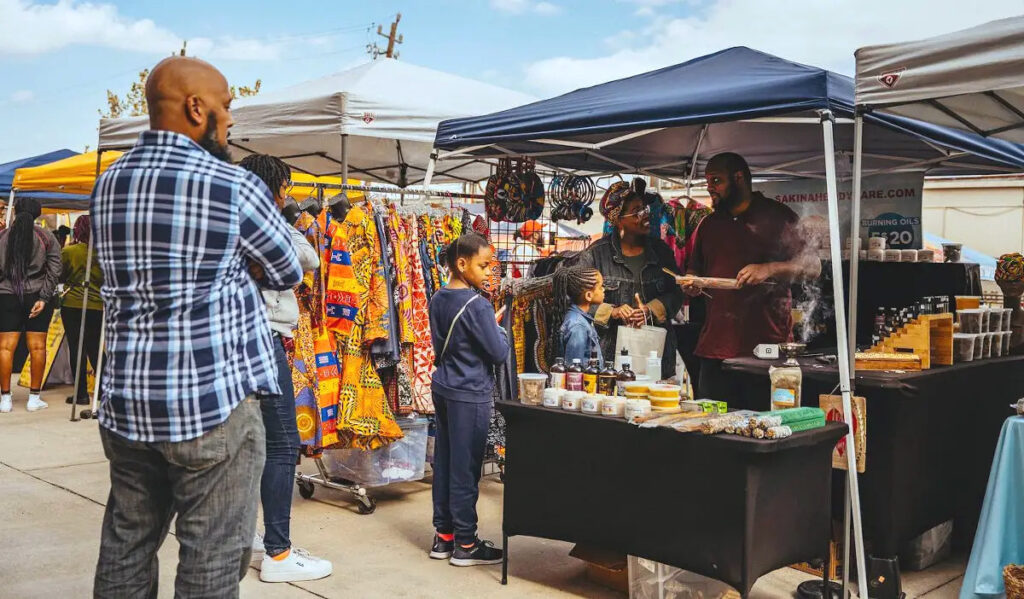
x=357, y=313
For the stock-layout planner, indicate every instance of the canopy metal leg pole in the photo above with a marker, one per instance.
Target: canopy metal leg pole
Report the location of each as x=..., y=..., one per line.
x=344, y=159
x=85, y=304
x=98, y=367
x=858, y=155
x=10, y=208
x=431, y=164
x=842, y=342
x=693, y=161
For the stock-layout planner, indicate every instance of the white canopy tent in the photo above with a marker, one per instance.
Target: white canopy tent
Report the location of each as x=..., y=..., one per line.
x=969, y=80
x=376, y=121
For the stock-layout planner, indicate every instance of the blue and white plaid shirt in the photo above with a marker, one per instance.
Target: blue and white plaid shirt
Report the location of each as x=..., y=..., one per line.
x=187, y=337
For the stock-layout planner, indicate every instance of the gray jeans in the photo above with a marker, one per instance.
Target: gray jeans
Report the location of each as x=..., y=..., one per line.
x=212, y=485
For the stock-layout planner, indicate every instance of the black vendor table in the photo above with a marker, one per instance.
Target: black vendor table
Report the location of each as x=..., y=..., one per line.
x=724, y=506
x=930, y=440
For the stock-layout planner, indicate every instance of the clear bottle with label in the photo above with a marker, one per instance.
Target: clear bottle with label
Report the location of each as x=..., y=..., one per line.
x=557, y=374
x=654, y=366
x=606, y=380
x=574, y=376
x=591, y=374
x=787, y=382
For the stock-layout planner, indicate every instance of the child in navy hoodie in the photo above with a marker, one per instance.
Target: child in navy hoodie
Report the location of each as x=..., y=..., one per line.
x=467, y=343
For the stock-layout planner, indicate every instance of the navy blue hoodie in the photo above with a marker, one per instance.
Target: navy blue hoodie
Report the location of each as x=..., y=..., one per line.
x=464, y=372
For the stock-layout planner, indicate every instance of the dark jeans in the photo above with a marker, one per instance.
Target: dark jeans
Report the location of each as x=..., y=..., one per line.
x=714, y=383
x=72, y=319
x=209, y=483
x=282, y=452
x=459, y=444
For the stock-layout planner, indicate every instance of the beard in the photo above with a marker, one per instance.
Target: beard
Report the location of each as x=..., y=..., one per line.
x=210, y=144
x=728, y=200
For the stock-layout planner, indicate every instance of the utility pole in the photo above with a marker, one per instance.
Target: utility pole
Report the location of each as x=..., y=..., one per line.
x=393, y=38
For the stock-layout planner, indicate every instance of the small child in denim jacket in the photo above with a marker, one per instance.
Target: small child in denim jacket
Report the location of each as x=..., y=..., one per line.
x=576, y=288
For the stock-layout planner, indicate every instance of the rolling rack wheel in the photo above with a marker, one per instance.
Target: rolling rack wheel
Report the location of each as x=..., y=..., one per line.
x=367, y=505
x=306, y=489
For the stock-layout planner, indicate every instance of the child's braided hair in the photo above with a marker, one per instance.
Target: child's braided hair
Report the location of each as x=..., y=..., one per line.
x=568, y=285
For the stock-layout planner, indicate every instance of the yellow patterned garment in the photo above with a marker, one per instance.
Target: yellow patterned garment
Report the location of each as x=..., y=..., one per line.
x=403, y=286
x=358, y=314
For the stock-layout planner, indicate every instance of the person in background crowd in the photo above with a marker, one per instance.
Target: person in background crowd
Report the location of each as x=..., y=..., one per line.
x=188, y=342
x=633, y=263
x=755, y=240
x=467, y=342
x=527, y=248
x=273, y=553
x=61, y=234
x=73, y=260
x=29, y=270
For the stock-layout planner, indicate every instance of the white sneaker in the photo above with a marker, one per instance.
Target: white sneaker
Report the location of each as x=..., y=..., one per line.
x=5, y=404
x=35, y=404
x=258, y=551
x=298, y=566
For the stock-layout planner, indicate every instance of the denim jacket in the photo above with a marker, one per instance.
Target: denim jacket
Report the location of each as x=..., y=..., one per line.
x=657, y=290
x=579, y=337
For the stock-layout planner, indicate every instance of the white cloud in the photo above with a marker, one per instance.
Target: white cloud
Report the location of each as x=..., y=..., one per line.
x=520, y=7
x=823, y=34
x=22, y=95
x=546, y=8
x=29, y=28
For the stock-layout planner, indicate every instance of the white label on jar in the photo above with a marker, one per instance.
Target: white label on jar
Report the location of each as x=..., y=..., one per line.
x=570, y=403
x=552, y=402
x=591, y=405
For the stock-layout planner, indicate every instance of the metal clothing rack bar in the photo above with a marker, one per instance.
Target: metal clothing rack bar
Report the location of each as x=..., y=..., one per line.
x=428, y=193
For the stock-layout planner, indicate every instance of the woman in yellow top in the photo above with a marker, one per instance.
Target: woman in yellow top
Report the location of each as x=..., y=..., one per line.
x=73, y=260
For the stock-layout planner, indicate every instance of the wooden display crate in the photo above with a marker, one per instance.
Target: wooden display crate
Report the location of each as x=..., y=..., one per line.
x=929, y=336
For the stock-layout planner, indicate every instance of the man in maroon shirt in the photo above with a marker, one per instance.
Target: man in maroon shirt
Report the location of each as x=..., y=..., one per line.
x=757, y=241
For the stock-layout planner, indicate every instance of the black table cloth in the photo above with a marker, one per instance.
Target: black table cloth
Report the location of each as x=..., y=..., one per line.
x=724, y=506
x=930, y=440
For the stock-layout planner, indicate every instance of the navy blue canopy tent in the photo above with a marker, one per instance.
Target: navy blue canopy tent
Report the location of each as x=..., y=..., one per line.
x=738, y=99
x=787, y=119
x=70, y=201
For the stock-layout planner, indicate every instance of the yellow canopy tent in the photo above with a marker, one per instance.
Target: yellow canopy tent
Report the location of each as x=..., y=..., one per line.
x=76, y=174
x=304, y=186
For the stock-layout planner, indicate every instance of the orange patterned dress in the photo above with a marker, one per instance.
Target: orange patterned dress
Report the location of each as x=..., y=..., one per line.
x=357, y=313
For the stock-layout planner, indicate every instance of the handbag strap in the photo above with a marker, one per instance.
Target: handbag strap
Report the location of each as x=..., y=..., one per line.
x=452, y=327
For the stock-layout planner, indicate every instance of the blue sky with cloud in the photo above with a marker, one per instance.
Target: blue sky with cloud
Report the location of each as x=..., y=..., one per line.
x=57, y=59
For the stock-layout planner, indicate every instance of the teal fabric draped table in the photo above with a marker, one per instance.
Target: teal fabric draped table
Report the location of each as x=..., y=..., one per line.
x=1000, y=537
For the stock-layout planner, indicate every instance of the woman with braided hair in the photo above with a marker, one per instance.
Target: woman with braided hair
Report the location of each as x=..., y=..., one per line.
x=273, y=553
x=29, y=269
x=632, y=263
x=576, y=289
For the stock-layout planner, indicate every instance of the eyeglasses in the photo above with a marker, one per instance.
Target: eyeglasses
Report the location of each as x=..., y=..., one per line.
x=639, y=214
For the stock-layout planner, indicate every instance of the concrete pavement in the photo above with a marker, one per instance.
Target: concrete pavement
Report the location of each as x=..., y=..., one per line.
x=54, y=483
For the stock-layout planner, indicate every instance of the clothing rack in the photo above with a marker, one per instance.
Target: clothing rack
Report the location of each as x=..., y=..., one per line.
x=417, y=192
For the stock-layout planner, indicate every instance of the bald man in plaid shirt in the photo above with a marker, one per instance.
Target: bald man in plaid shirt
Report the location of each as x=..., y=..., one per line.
x=177, y=230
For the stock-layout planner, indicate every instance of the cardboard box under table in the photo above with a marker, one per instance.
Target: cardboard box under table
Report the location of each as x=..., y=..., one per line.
x=723, y=506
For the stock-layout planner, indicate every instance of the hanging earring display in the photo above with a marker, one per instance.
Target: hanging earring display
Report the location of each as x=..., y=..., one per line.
x=515, y=192
x=571, y=197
